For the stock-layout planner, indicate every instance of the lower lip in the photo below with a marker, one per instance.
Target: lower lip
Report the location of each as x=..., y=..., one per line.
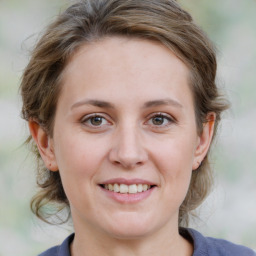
x=129, y=198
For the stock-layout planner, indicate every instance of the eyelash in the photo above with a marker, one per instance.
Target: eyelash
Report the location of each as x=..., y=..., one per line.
x=87, y=120
x=165, y=117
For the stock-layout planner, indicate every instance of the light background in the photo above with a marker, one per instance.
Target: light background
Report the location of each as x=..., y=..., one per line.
x=229, y=213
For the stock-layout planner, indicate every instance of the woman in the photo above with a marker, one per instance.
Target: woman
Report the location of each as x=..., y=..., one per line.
x=122, y=107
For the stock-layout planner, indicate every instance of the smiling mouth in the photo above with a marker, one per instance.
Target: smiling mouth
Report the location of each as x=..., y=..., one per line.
x=127, y=189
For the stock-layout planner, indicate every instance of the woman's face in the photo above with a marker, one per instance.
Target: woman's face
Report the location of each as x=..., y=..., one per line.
x=125, y=120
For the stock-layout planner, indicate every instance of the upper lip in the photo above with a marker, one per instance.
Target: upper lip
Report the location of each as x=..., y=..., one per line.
x=127, y=181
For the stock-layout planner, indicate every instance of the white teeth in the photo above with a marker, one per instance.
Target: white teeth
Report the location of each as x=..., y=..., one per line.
x=116, y=188
x=124, y=189
x=133, y=189
x=145, y=187
x=140, y=188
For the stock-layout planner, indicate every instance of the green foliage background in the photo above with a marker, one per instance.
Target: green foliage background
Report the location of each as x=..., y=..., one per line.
x=229, y=213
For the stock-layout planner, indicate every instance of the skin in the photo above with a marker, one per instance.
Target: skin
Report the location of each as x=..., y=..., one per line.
x=125, y=111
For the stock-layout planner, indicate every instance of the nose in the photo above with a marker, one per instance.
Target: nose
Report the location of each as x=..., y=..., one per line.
x=127, y=149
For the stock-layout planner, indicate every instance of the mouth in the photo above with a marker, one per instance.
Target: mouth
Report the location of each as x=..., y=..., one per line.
x=127, y=189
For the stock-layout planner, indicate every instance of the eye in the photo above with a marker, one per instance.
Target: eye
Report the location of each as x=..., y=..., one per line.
x=160, y=119
x=95, y=121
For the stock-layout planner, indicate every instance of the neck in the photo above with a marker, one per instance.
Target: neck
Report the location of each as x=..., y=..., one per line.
x=92, y=244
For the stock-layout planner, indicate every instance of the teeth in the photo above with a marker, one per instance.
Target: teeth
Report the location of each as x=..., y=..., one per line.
x=127, y=189
x=140, y=188
x=145, y=187
x=116, y=188
x=124, y=189
x=133, y=189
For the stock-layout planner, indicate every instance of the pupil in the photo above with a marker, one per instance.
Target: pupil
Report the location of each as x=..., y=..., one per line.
x=158, y=120
x=96, y=120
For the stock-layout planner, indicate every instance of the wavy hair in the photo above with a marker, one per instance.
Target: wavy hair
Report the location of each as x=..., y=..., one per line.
x=87, y=21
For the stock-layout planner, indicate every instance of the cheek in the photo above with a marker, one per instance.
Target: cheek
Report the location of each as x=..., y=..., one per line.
x=76, y=156
x=174, y=162
x=78, y=164
x=174, y=157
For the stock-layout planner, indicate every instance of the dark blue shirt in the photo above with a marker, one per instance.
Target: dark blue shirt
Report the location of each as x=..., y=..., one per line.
x=203, y=246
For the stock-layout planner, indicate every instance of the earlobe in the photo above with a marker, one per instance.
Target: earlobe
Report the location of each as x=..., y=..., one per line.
x=205, y=140
x=44, y=145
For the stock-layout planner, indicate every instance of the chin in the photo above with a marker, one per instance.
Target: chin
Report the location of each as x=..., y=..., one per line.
x=131, y=234
x=130, y=228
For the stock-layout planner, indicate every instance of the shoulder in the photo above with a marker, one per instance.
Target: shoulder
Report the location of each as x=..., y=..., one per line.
x=51, y=252
x=60, y=250
x=207, y=246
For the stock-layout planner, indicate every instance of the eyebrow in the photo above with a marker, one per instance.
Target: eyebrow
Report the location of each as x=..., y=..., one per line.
x=96, y=103
x=148, y=104
x=161, y=102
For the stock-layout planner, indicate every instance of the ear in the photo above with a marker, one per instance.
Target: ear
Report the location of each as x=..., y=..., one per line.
x=44, y=145
x=204, y=140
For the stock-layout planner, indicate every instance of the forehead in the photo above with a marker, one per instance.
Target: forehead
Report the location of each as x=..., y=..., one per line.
x=130, y=64
x=122, y=50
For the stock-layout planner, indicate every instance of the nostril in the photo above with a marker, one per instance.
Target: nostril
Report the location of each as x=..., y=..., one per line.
x=128, y=157
x=128, y=165
x=116, y=162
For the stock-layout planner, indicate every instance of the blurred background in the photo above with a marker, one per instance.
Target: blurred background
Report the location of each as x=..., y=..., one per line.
x=229, y=212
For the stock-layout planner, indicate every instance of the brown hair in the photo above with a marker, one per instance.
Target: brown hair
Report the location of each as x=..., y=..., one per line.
x=90, y=20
